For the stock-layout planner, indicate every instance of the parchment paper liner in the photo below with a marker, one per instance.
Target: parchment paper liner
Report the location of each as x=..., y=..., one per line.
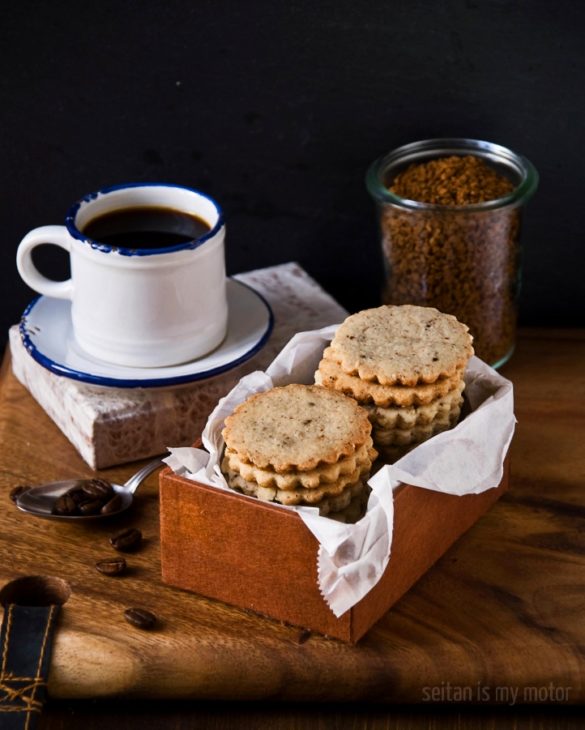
x=467, y=459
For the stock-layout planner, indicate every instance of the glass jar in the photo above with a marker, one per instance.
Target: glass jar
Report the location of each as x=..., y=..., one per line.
x=463, y=260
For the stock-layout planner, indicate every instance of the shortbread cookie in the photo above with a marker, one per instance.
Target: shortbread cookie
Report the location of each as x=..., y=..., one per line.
x=331, y=505
x=417, y=434
x=390, y=454
x=328, y=498
x=355, y=510
x=361, y=460
x=331, y=376
x=298, y=495
x=395, y=417
x=296, y=428
x=401, y=345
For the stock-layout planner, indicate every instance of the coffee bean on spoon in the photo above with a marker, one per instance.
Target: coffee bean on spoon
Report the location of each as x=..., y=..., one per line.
x=112, y=506
x=90, y=507
x=127, y=540
x=86, y=498
x=65, y=505
x=78, y=495
x=141, y=618
x=98, y=488
x=111, y=566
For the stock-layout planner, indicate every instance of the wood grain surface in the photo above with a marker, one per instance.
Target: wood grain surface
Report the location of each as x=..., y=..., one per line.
x=502, y=609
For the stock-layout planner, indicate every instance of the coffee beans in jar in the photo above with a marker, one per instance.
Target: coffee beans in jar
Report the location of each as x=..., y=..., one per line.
x=450, y=226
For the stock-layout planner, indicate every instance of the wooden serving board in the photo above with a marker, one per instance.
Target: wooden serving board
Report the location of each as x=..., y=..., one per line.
x=502, y=609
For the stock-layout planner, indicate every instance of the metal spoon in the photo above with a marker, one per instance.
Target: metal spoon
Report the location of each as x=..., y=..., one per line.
x=40, y=500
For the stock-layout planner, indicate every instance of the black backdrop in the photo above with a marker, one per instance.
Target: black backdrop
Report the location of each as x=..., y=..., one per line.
x=277, y=108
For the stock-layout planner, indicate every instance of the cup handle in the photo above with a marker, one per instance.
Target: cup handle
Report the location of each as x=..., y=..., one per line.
x=56, y=236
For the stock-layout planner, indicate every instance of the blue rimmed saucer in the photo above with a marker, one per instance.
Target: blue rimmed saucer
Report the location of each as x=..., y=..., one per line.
x=47, y=334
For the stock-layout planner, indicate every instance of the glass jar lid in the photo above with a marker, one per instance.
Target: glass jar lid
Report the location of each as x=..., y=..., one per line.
x=520, y=171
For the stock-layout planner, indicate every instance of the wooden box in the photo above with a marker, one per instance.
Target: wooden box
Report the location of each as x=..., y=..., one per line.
x=257, y=556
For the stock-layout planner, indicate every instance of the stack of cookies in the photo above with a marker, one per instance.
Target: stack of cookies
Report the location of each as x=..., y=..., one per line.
x=301, y=445
x=404, y=365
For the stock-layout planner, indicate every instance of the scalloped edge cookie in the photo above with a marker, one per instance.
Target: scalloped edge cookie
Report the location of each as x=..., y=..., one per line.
x=362, y=460
x=332, y=377
x=412, y=416
x=403, y=345
x=296, y=428
x=328, y=501
x=416, y=435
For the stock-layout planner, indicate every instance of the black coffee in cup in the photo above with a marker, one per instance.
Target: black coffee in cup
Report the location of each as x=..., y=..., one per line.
x=146, y=228
x=124, y=309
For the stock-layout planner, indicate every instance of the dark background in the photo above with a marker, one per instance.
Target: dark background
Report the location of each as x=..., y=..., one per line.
x=276, y=109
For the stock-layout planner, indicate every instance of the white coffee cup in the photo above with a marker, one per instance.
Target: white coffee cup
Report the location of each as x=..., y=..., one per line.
x=138, y=307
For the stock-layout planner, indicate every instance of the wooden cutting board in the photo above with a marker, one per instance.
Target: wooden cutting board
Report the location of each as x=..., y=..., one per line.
x=499, y=617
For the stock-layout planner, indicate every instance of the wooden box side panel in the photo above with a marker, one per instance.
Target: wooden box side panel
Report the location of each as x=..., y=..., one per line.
x=248, y=554
x=257, y=556
x=426, y=524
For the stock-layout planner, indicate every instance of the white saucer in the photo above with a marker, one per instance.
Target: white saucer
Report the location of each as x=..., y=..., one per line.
x=47, y=334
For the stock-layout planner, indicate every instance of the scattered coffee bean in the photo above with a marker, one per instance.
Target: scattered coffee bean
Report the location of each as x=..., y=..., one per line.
x=65, y=506
x=91, y=507
x=98, y=488
x=114, y=505
x=111, y=566
x=17, y=491
x=127, y=540
x=140, y=617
